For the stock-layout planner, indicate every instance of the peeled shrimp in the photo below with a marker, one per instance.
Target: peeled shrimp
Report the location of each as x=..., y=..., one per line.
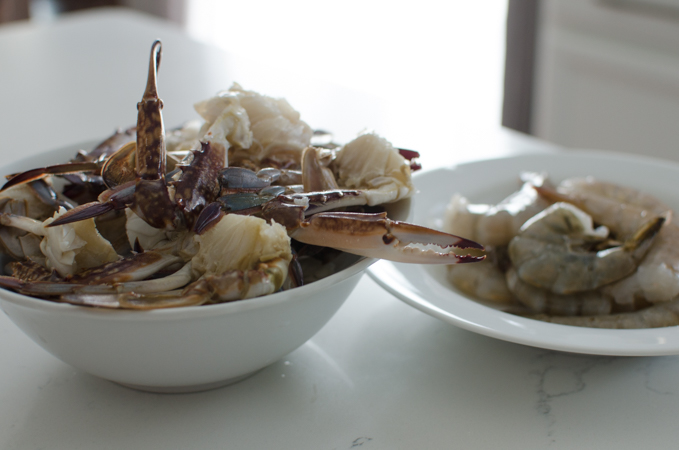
x=496, y=225
x=657, y=277
x=623, y=208
x=484, y=280
x=545, y=301
x=619, y=208
x=552, y=251
x=661, y=315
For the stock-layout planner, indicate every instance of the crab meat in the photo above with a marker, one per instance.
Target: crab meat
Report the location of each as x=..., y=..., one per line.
x=372, y=165
x=366, y=171
x=238, y=258
x=276, y=128
x=69, y=248
x=240, y=243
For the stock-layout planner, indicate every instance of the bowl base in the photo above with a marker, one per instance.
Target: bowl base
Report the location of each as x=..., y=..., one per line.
x=186, y=389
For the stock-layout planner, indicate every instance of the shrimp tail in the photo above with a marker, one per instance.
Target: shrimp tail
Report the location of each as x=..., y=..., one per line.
x=642, y=240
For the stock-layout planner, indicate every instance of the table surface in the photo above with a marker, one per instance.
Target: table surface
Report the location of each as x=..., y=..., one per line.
x=379, y=375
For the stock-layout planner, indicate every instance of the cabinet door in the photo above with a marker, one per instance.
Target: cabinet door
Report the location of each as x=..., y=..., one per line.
x=607, y=75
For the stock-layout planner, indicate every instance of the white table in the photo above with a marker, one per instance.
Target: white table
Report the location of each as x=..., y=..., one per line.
x=380, y=375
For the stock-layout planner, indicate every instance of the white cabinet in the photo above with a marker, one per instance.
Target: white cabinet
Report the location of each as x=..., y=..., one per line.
x=607, y=75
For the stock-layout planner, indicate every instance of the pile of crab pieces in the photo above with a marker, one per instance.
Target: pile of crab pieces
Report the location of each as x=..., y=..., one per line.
x=214, y=211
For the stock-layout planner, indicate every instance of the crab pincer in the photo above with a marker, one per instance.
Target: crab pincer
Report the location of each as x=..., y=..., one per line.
x=375, y=235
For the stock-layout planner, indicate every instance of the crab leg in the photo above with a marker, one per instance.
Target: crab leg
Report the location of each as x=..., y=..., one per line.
x=60, y=169
x=232, y=285
x=113, y=199
x=83, y=162
x=376, y=236
x=151, y=198
x=121, y=276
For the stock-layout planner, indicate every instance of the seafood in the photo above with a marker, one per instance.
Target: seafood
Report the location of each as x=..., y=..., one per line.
x=496, y=225
x=276, y=135
x=657, y=277
x=224, y=217
x=484, y=280
x=493, y=226
x=83, y=171
x=553, y=250
x=619, y=208
x=68, y=248
x=543, y=300
x=656, y=280
x=601, y=255
x=660, y=315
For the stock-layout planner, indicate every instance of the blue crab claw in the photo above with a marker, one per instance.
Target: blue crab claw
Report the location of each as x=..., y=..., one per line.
x=42, y=172
x=113, y=199
x=376, y=236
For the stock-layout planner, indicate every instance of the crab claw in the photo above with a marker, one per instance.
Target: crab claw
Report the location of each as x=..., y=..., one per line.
x=113, y=199
x=42, y=172
x=374, y=235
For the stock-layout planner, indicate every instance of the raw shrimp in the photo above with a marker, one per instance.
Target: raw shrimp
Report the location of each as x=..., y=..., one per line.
x=623, y=208
x=545, y=301
x=657, y=316
x=496, y=225
x=553, y=250
x=657, y=277
x=619, y=208
x=484, y=280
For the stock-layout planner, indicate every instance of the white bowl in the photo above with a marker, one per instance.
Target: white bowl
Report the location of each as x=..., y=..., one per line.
x=179, y=349
x=182, y=349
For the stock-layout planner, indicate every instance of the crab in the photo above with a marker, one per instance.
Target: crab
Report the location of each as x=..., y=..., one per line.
x=206, y=232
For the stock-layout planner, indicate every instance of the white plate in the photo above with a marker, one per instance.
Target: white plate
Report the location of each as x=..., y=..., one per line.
x=489, y=181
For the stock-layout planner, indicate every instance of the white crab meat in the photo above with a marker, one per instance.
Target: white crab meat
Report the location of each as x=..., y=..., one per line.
x=138, y=231
x=371, y=164
x=72, y=247
x=274, y=126
x=226, y=121
x=240, y=243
